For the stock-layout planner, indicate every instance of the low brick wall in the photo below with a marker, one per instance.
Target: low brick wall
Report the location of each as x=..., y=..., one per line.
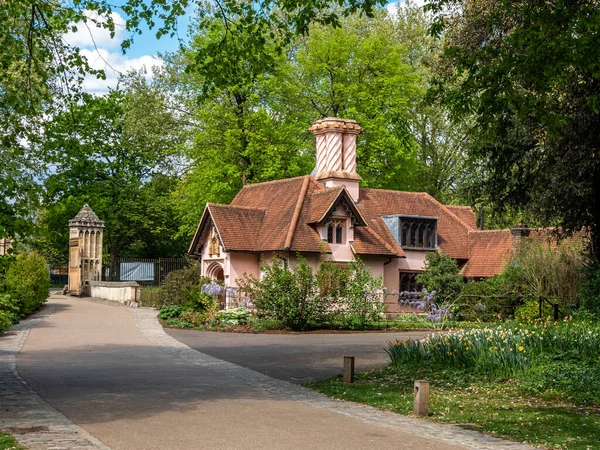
x=124, y=292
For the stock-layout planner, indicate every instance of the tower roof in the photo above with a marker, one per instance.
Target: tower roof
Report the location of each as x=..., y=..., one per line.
x=86, y=216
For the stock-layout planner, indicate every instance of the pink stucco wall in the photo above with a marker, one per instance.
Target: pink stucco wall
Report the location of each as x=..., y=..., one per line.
x=241, y=263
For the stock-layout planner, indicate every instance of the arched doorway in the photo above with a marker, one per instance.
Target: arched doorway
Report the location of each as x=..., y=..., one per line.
x=215, y=272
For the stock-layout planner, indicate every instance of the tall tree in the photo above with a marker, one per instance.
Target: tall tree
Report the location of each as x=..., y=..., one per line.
x=361, y=72
x=37, y=65
x=110, y=154
x=529, y=72
x=242, y=135
x=442, y=141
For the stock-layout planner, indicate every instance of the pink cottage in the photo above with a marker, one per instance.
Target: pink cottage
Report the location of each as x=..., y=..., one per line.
x=330, y=217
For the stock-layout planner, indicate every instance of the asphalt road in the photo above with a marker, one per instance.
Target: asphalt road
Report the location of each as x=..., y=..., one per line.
x=294, y=357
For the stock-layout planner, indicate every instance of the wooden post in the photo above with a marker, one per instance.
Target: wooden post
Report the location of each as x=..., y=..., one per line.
x=421, y=408
x=540, y=307
x=555, y=307
x=348, y=369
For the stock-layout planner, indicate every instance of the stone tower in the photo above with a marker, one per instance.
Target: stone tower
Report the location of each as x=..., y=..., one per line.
x=85, y=250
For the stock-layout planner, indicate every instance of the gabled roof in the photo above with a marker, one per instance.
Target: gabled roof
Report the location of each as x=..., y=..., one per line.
x=452, y=231
x=324, y=201
x=489, y=252
x=238, y=227
x=281, y=216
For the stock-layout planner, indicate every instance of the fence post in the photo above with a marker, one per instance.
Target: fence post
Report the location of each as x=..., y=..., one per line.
x=421, y=406
x=348, y=369
x=555, y=308
x=540, y=307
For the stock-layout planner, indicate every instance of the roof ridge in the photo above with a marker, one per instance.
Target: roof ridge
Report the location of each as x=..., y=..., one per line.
x=262, y=183
x=294, y=223
x=221, y=205
x=394, y=191
x=490, y=231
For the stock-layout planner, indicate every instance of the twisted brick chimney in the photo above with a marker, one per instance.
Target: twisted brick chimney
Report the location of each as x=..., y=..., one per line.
x=336, y=153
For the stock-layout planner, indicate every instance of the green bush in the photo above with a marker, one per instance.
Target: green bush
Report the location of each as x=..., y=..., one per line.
x=233, y=317
x=442, y=276
x=181, y=286
x=170, y=312
x=199, y=301
x=27, y=281
x=299, y=299
x=361, y=296
x=285, y=294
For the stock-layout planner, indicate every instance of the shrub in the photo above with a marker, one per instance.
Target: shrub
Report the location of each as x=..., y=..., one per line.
x=551, y=270
x=362, y=296
x=27, y=281
x=285, y=294
x=233, y=317
x=180, y=286
x=170, y=312
x=200, y=301
x=441, y=275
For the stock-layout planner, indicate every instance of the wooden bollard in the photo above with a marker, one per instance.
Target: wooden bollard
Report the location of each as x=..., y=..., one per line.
x=421, y=408
x=348, y=369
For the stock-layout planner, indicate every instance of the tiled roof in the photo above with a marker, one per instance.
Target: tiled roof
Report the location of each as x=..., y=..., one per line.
x=464, y=213
x=452, y=231
x=280, y=199
x=321, y=201
x=368, y=242
x=306, y=238
x=282, y=216
x=489, y=252
x=239, y=227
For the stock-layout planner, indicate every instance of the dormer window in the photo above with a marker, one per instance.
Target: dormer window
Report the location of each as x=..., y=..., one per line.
x=418, y=232
x=413, y=232
x=335, y=232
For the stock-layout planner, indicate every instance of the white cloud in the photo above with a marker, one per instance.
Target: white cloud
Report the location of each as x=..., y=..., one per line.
x=392, y=8
x=113, y=64
x=104, y=52
x=90, y=34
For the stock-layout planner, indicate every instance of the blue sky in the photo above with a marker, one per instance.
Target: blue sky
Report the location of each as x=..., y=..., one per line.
x=104, y=52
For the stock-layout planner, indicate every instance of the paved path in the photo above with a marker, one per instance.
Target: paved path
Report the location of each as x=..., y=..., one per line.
x=294, y=357
x=113, y=372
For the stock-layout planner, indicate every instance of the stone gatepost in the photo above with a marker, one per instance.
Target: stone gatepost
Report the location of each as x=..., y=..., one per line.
x=85, y=251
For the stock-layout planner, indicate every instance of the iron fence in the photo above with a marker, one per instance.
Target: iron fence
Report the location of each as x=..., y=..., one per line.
x=147, y=272
x=59, y=275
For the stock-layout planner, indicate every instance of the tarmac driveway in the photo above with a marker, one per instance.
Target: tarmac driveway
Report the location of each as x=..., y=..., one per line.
x=295, y=357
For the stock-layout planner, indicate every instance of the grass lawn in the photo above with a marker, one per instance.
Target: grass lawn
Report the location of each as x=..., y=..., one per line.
x=7, y=442
x=493, y=406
